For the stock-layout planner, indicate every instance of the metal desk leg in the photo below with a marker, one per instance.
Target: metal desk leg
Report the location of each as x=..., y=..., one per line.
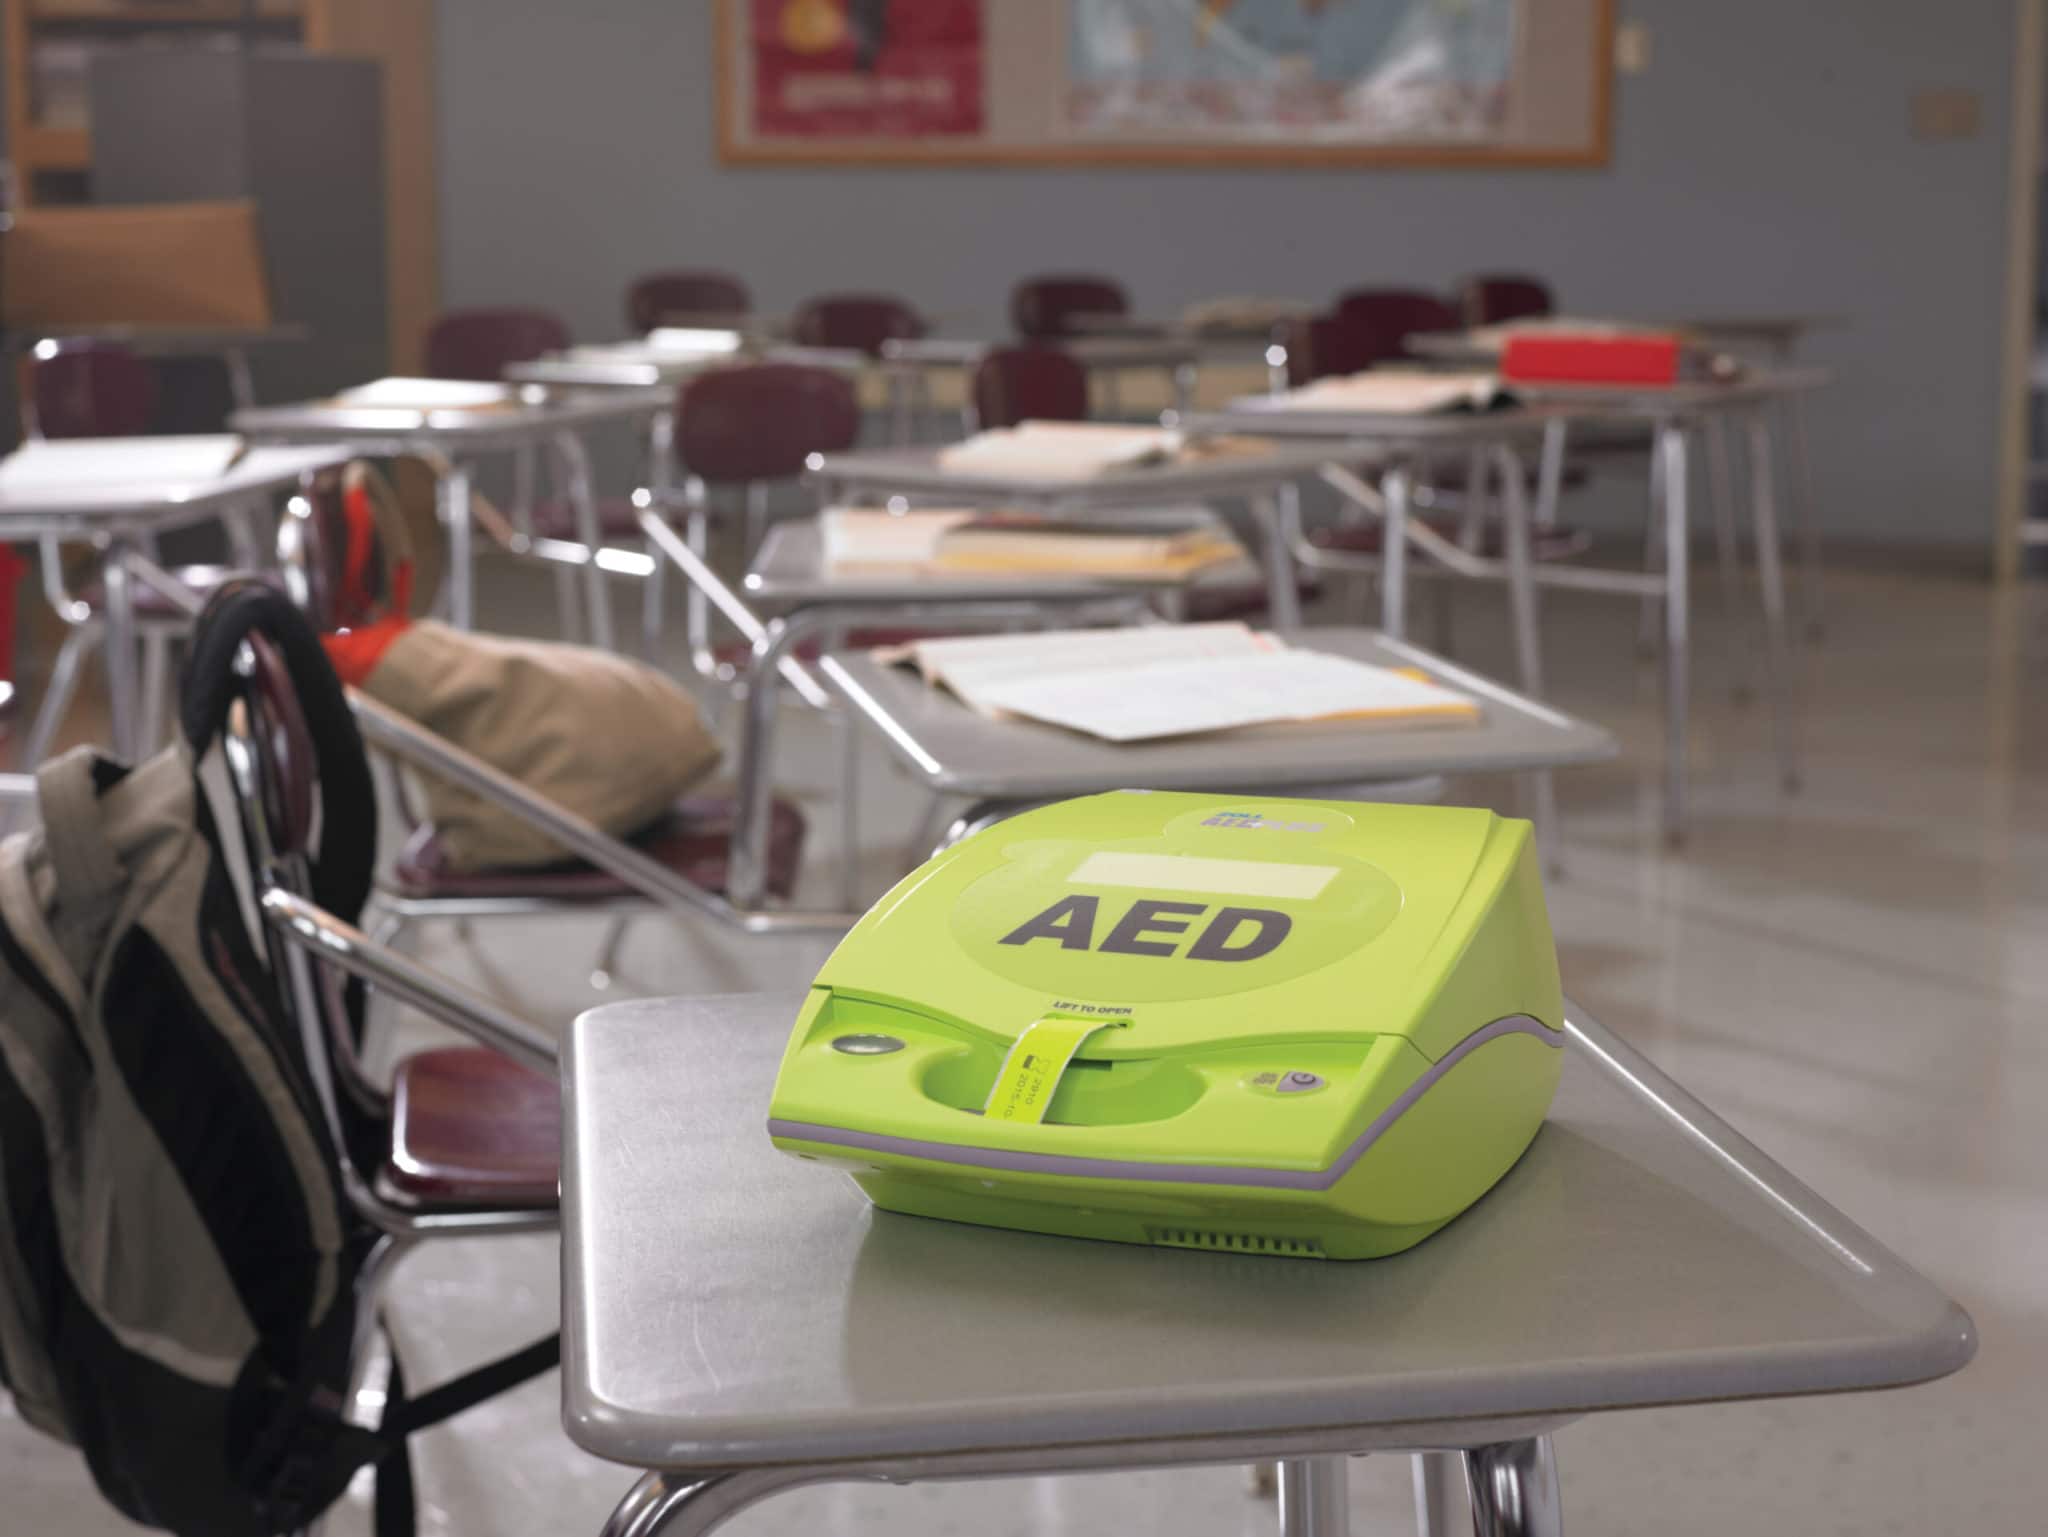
x=1671, y=450
x=118, y=648
x=657, y=1505
x=1653, y=554
x=1283, y=592
x=1312, y=1497
x=1437, y=1479
x=1184, y=377
x=1727, y=544
x=1550, y=472
x=241, y=387
x=661, y=451
x=583, y=500
x=1394, y=488
x=1521, y=564
x=1771, y=573
x=453, y=494
x=1800, y=475
x=1513, y=1485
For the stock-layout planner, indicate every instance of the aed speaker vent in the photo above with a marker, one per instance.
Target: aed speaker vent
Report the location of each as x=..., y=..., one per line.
x=1235, y=1243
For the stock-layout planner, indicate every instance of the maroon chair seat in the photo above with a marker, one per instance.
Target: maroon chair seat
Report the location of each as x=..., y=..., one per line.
x=1491, y=298
x=762, y=421
x=1029, y=383
x=471, y=1128
x=91, y=390
x=860, y=322
x=482, y=343
x=153, y=605
x=1045, y=306
x=1384, y=318
x=617, y=518
x=1559, y=543
x=660, y=298
x=694, y=840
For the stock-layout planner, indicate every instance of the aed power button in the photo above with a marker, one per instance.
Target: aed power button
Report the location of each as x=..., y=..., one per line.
x=1295, y=1082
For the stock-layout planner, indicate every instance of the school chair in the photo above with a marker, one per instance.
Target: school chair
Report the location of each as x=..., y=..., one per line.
x=1045, y=306
x=856, y=322
x=1384, y=318
x=685, y=298
x=1029, y=383
x=1492, y=298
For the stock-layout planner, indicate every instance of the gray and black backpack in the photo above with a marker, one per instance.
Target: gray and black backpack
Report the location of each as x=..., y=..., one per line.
x=177, y=1256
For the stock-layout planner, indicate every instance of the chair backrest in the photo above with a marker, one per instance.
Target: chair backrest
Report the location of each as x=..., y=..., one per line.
x=658, y=297
x=861, y=322
x=482, y=343
x=1490, y=298
x=1384, y=318
x=761, y=421
x=1045, y=306
x=1321, y=345
x=88, y=390
x=1030, y=383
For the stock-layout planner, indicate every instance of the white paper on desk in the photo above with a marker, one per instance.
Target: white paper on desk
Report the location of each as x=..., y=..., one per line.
x=398, y=394
x=63, y=464
x=670, y=340
x=1060, y=451
x=970, y=664
x=1182, y=698
x=862, y=537
x=1395, y=392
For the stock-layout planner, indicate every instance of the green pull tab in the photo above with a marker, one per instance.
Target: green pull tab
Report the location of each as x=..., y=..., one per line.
x=1038, y=1059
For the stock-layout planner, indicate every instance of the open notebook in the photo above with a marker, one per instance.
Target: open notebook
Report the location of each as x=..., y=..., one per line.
x=1060, y=450
x=398, y=394
x=1141, y=546
x=1151, y=682
x=1397, y=392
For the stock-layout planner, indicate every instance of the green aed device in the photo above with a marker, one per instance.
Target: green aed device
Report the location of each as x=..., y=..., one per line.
x=1319, y=1029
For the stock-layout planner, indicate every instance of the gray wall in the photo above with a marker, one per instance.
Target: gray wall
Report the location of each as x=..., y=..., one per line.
x=1764, y=162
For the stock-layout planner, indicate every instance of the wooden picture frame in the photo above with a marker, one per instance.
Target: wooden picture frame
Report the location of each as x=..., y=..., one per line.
x=1579, y=60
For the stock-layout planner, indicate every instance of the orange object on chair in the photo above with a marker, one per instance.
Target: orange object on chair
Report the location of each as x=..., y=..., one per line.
x=1555, y=357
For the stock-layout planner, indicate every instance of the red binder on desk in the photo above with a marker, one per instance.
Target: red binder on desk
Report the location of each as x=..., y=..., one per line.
x=1561, y=357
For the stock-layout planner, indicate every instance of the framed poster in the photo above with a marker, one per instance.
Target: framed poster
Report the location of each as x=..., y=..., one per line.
x=1158, y=82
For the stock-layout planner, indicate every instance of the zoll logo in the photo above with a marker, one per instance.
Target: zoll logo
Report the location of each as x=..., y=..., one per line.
x=1151, y=926
x=1251, y=821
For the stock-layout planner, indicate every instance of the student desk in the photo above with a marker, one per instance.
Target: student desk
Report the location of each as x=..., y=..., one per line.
x=1257, y=476
x=530, y=417
x=118, y=519
x=231, y=344
x=738, y=1323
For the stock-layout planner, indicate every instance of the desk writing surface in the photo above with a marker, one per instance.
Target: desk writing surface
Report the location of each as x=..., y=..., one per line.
x=919, y=472
x=726, y=1305
x=533, y=412
x=952, y=749
x=156, y=503
x=790, y=568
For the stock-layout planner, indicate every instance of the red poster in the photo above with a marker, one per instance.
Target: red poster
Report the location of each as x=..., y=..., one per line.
x=866, y=69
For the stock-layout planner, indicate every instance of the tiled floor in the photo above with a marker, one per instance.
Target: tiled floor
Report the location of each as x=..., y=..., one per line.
x=1854, y=976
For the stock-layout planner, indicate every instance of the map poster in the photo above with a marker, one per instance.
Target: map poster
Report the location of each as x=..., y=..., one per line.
x=1303, y=71
x=866, y=69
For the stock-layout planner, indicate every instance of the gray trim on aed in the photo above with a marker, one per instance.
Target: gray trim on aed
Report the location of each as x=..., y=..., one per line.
x=1170, y=1173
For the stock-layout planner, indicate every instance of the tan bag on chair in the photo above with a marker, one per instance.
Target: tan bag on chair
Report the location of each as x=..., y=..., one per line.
x=606, y=737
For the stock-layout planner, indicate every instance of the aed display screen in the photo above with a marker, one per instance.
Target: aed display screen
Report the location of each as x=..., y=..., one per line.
x=1211, y=877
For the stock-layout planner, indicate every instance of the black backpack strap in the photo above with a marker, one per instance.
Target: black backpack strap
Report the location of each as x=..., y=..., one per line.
x=348, y=802
x=394, y=1512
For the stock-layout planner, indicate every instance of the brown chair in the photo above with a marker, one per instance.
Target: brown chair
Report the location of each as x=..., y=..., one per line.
x=482, y=343
x=856, y=322
x=679, y=298
x=1029, y=383
x=1046, y=306
x=1492, y=298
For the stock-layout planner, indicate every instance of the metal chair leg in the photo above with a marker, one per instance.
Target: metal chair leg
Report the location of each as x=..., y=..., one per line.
x=1727, y=547
x=156, y=685
x=849, y=809
x=1313, y=1501
x=57, y=694
x=1655, y=553
x=1437, y=1478
x=653, y=606
x=607, y=964
x=1771, y=575
x=657, y=1506
x=1513, y=1487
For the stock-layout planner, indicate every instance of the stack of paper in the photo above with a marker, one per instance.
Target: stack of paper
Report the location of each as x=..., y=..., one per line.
x=1143, y=684
x=1143, y=546
x=1060, y=450
x=875, y=539
x=1241, y=314
x=45, y=464
x=1398, y=392
x=397, y=394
